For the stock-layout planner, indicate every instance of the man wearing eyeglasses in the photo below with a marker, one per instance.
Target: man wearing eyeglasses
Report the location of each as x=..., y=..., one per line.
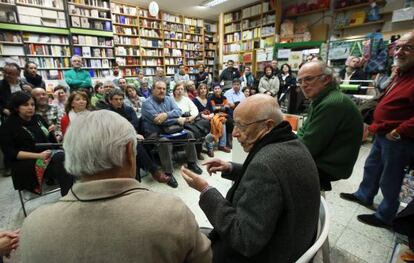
x=333, y=129
x=270, y=213
x=393, y=147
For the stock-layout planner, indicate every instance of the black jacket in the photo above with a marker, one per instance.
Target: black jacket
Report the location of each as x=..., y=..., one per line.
x=5, y=94
x=358, y=75
x=229, y=74
x=14, y=138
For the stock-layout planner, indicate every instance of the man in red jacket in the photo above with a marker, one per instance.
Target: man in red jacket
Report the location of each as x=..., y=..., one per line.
x=393, y=147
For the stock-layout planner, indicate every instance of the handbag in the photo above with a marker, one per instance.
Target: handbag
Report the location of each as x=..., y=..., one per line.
x=172, y=129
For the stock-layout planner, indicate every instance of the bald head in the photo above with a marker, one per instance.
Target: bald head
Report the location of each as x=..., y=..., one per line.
x=404, y=52
x=40, y=96
x=259, y=107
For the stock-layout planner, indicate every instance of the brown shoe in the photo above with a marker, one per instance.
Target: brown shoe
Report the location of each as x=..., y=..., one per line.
x=210, y=153
x=160, y=176
x=224, y=149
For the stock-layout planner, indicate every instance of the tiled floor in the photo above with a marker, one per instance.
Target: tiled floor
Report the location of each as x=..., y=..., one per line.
x=350, y=240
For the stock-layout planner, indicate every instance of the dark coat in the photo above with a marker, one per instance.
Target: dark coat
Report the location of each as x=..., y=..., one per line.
x=273, y=215
x=358, y=75
x=5, y=94
x=14, y=138
x=129, y=114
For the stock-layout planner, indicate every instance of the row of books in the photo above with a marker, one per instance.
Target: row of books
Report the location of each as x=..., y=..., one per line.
x=145, y=13
x=251, y=11
x=192, y=29
x=126, y=30
x=171, y=18
x=173, y=61
x=124, y=9
x=232, y=37
x=94, y=73
x=42, y=17
x=249, y=45
x=125, y=61
x=231, y=28
x=192, y=46
x=126, y=51
x=152, y=62
x=231, y=48
x=10, y=37
x=194, y=38
x=210, y=46
x=124, y=20
x=98, y=3
x=88, y=52
x=151, y=52
x=93, y=13
x=173, y=44
x=173, y=52
x=21, y=61
x=92, y=41
x=97, y=63
x=149, y=23
x=84, y=22
x=209, y=62
x=267, y=31
x=151, y=43
x=49, y=3
x=149, y=32
x=11, y=50
x=193, y=22
x=48, y=50
x=232, y=17
x=173, y=35
x=210, y=53
x=251, y=23
x=123, y=40
x=269, y=19
x=46, y=39
x=52, y=74
x=250, y=34
x=172, y=27
x=149, y=71
x=193, y=54
x=130, y=72
x=51, y=63
x=170, y=70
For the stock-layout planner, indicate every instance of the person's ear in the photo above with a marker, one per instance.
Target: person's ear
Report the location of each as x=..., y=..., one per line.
x=130, y=153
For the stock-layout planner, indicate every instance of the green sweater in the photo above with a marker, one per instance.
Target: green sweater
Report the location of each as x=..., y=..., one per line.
x=78, y=79
x=332, y=132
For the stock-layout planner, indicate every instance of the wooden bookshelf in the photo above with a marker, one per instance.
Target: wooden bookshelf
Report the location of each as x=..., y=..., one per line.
x=11, y=48
x=85, y=14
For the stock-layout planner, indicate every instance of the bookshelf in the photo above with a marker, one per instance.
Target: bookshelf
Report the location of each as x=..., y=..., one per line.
x=210, y=47
x=173, y=52
x=193, y=33
x=8, y=11
x=249, y=28
x=97, y=53
x=50, y=52
x=41, y=12
x=11, y=48
x=90, y=14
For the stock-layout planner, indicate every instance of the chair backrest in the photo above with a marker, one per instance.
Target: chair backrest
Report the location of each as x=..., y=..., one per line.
x=322, y=234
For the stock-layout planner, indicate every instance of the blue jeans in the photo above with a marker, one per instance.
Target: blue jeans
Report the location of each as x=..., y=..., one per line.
x=222, y=139
x=384, y=169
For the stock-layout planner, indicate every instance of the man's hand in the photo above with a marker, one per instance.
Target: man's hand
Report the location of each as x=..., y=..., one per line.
x=6, y=112
x=51, y=128
x=181, y=121
x=217, y=165
x=140, y=137
x=393, y=136
x=193, y=180
x=161, y=118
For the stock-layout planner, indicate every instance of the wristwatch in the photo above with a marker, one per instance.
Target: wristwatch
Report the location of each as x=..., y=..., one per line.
x=395, y=135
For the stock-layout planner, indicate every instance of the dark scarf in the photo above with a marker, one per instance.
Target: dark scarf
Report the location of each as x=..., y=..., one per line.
x=280, y=133
x=36, y=81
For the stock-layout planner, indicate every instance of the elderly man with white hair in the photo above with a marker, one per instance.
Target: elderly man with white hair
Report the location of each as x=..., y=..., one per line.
x=108, y=216
x=78, y=78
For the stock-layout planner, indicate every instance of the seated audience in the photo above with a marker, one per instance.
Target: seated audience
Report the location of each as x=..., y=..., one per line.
x=246, y=91
x=31, y=77
x=201, y=76
x=352, y=73
x=144, y=90
x=218, y=121
x=60, y=97
x=160, y=112
x=253, y=90
x=160, y=75
x=210, y=77
x=78, y=78
x=18, y=136
x=234, y=95
x=270, y=213
x=77, y=105
x=9, y=241
x=144, y=159
x=122, y=84
x=332, y=132
x=138, y=81
x=275, y=68
x=181, y=75
x=8, y=85
x=99, y=93
x=190, y=88
x=103, y=103
x=269, y=83
x=108, y=216
x=229, y=74
x=116, y=76
x=133, y=100
x=50, y=113
x=247, y=80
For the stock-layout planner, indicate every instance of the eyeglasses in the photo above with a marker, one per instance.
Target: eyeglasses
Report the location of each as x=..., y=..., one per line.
x=308, y=79
x=243, y=127
x=404, y=48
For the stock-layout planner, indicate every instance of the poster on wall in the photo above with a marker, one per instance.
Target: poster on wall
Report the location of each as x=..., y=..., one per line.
x=295, y=59
x=283, y=53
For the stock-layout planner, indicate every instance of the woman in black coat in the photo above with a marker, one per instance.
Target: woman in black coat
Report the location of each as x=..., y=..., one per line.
x=290, y=96
x=18, y=136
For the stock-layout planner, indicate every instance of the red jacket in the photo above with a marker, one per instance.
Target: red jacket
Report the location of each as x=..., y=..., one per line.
x=64, y=123
x=395, y=110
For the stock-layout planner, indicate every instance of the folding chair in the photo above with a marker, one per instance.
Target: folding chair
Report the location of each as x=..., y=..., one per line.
x=33, y=196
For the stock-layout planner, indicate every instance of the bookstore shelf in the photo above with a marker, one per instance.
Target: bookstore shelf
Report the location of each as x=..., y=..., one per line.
x=11, y=43
x=82, y=31
x=310, y=12
x=40, y=6
x=90, y=6
x=36, y=29
x=91, y=17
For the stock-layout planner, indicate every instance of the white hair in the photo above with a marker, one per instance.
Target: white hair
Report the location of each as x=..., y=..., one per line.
x=75, y=56
x=96, y=142
x=326, y=71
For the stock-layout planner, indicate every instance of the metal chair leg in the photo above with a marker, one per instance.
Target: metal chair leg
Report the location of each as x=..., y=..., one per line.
x=22, y=202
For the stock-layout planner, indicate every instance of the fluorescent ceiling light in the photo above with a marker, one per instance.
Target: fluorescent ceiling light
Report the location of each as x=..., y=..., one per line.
x=212, y=3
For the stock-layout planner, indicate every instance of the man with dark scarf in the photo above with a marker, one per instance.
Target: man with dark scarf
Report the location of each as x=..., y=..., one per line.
x=270, y=214
x=31, y=77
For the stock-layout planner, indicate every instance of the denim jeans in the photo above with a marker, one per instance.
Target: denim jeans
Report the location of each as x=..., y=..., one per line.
x=222, y=139
x=384, y=169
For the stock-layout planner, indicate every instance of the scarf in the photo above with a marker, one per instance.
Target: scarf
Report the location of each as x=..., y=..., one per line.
x=280, y=133
x=36, y=81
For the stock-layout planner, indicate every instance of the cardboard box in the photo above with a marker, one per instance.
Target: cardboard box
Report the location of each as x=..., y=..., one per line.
x=319, y=32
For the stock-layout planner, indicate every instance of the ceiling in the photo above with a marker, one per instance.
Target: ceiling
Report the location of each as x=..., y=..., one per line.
x=190, y=7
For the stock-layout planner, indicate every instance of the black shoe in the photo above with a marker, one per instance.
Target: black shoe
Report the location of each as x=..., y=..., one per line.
x=193, y=167
x=372, y=220
x=353, y=198
x=172, y=182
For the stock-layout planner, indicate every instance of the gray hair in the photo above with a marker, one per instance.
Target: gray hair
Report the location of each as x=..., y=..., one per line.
x=326, y=71
x=116, y=92
x=96, y=142
x=109, y=82
x=75, y=56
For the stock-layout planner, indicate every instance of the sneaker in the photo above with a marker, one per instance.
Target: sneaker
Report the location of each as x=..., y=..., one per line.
x=172, y=182
x=210, y=153
x=372, y=220
x=353, y=198
x=224, y=149
x=194, y=168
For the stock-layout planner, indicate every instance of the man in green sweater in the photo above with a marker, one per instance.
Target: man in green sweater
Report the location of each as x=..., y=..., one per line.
x=333, y=129
x=78, y=78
